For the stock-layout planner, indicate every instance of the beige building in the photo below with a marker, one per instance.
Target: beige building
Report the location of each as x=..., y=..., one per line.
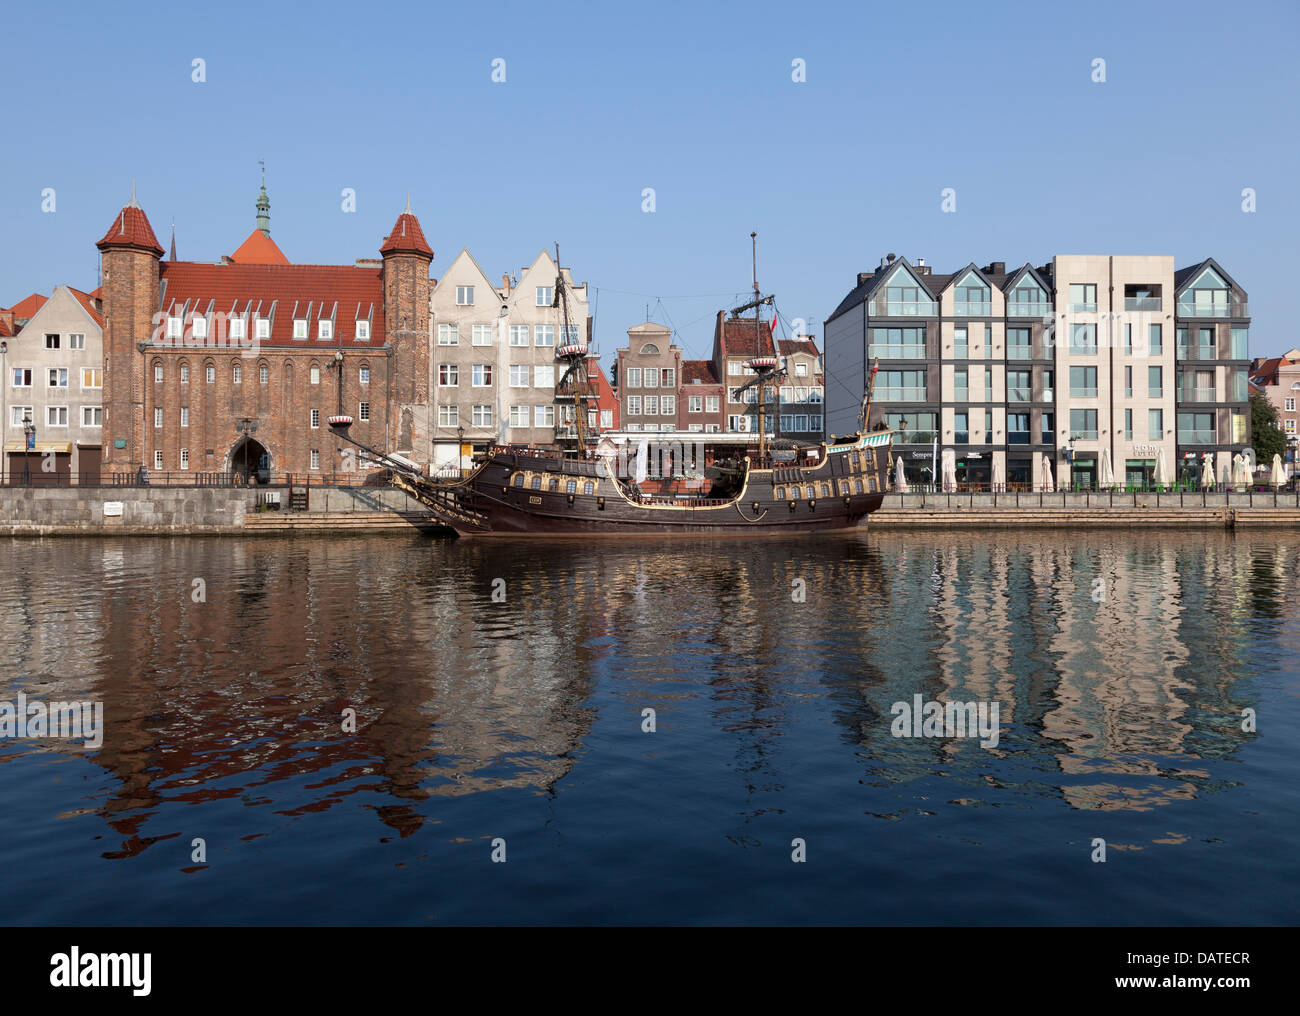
x=494, y=370
x=54, y=378
x=648, y=374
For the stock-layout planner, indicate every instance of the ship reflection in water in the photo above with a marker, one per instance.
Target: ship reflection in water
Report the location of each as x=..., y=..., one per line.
x=502, y=695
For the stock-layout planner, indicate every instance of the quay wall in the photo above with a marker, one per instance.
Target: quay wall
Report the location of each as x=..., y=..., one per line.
x=1066, y=510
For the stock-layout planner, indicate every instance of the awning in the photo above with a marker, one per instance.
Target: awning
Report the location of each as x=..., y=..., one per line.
x=42, y=447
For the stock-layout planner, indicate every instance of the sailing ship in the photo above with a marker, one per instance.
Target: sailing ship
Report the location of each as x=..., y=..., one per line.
x=772, y=487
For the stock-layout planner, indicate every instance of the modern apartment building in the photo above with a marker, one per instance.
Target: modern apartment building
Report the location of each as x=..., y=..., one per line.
x=53, y=388
x=494, y=371
x=1064, y=373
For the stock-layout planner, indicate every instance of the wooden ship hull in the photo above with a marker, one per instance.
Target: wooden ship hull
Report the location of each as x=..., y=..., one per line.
x=514, y=493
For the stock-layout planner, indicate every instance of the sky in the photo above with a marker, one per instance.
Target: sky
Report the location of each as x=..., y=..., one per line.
x=697, y=102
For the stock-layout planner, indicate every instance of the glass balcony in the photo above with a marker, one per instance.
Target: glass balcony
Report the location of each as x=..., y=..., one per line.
x=906, y=308
x=961, y=437
x=1029, y=309
x=901, y=395
x=1208, y=310
x=1020, y=352
x=1142, y=303
x=1083, y=308
x=1085, y=435
x=1196, y=395
x=896, y=352
x=917, y=436
x=1017, y=437
x=1196, y=437
x=971, y=308
x=1019, y=395
x=1083, y=393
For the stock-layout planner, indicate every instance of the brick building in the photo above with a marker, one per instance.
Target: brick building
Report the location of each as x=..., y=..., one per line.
x=235, y=365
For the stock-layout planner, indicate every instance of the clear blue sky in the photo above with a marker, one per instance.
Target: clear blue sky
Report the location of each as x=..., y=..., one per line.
x=901, y=101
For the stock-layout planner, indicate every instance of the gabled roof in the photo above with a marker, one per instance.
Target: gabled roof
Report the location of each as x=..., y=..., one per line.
x=788, y=346
x=26, y=308
x=1013, y=280
x=130, y=228
x=933, y=285
x=259, y=249
x=1183, y=277
x=60, y=302
x=961, y=274
x=743, y=337
x=278, y=292
x=87, y=301
x=406, y=237
x=702, y=372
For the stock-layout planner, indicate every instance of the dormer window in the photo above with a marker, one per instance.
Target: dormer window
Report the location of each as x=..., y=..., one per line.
x=299, y=328
x=174, y=328
x=263, y=328
x=363, y=331
x=236, y=328
x=464, y=296
x=200, y=327
x=324, y=329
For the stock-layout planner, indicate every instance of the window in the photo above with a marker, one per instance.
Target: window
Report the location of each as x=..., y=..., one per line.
x=58, y=377
x=897, y=343
x=185, y=416
x=1206, y=297
x=1083, y=298
x=237, y=374
x=1128, y=339
x=902, y=385
x=185, y=458
x=263, y=328
x=634, y=405
x=1288, y=405
x=315, y=419
x=1083, y=424
x=56, y=416
x=464, y=296
x=174, y=327
x=544, y=376
x=363, y=412
x=667, y=405
x=1155, y=340
x=1155, y=424
x=544, y=416
x=482, y=416
x=448, y=416
x=519, y=416
x=960, y=349
x=905, y=299
x=1083, y=339
x=92, y=416
x=199, y=326
x=76, y=341
x=1181, y=336
x=482, y=375
x=544, y=335
x=1196, y=428
x=607, y=418
x=448, y=335
x=668, y=377
x=315, y=459
x=1083, y=382
x=314, y=374
x=1155, y=382
x=157, y=419
x=157, y=373
x=185, y=373
x=519, y=375
x=711, y=404
x=300, y=328
x=988, y=384
x=988, y=426
x=695, y=404
x=324, y=329
x=518, y=335
x=1128, y=425
x=210, y=374
x=961, y=389
x=971, y=296
x=634, y=377
x=448, y=375
x=801, y=370
x=157, y=460
x=1128, y=381
x=22, y=377
x=574, y=335
x=51, y=342
x=18, y=415
x=481, y=335
x=1020, y=344
x=365, y=375
x=545, y=296
x=236, y=328
x=960, y=430
x=651, y=407
x=363, y=330
x=1017, y=428
x=651, y=378
x=735, y=367
x=1019, y=386
x=1239, y=341
x=264, y=374
x=1288, y=426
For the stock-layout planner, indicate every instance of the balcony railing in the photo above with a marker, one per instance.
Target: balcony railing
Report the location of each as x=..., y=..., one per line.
x=1017, y=437
x=1020, y=394
x=1020, y=352
x=961, y=437
x=904, y=351
x=1142, y=303
x=901, y=395
x=1197, y=437
x=1196, y=395
x=1215, y=310
x=906, y=308
x=1028, y=309
x=1082, y=393
x=1085, y=435
x=972, y=308
x=917, y=436
x=1083, y=308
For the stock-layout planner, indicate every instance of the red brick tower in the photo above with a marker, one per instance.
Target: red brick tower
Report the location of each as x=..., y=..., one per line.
x=407, y=257
x=129, y=254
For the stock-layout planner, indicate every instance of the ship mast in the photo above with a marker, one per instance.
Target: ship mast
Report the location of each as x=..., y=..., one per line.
x=764, y=366
x=575, y=353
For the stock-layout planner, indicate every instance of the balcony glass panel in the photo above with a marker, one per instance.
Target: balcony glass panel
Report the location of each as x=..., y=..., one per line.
x=1196, y=437
x=887, y=351
x=1019, y=395
x=1080, y=392
x=961, y=437
x=906, y=308
x=972, y=308
x=1028, y=309
x=1083, y=308
x=902, y=395
x=1142, y=303
x=1196, y=395
x=1018, y=437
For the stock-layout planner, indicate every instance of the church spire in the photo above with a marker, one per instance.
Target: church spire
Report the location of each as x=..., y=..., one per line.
x=264, y=205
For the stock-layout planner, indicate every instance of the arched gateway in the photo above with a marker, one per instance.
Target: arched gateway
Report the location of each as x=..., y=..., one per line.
x=249, y=462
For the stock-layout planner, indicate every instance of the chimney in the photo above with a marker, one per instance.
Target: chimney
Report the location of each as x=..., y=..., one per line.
x=865, y=277
x=996, y=268
x=505, y=282
x=920, y=262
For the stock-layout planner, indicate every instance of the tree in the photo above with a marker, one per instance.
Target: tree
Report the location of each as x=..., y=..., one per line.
x=1265, y=432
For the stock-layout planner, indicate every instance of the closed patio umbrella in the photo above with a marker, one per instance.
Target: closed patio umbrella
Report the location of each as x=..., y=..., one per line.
x=1207, y=472
x=1107, y=478
x=949, y=469
x=1162, y=468
x=1279, y=474
x=996, y=474
x=1049, y=484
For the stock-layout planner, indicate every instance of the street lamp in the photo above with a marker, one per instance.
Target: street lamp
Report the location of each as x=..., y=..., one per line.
x=460, y=449
x=245, y=425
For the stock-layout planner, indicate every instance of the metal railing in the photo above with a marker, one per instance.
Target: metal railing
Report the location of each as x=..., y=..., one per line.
x=1115, y=494
x=1142, y=303
x=185, y=478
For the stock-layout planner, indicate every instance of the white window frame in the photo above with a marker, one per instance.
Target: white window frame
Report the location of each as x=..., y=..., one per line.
x=545, y=296
x=157, y=458
x=544, y=416
x=185, y=458
x=518, y=413
x=514, y=375
x=93, y=370
x=300, y=329
x=451, y=373
x=480, y=335
x=544, y=336
x=325, y=329
x=449, y=415
x=464, y=296
x=449, y=334
x=518, y=332
x=210, y=373
x=263, y=328
x=481, y=415
x=313, y=375
x=55, y=410
x=157, y=418
x=185, y=416
x=77, y=340
x=92, y=412
x=479, y=372
x=363, y=376
x=363, y=330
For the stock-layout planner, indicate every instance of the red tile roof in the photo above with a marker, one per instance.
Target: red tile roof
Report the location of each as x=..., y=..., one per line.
x=739, y=338
x=699, y=372
x=131, y=228
x=259, y=249
x=1267, y=372
x=244, y=288
x=788, y=346
x=87, y=300
x=406, y=237
x=6, y=329
x=26, y=308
